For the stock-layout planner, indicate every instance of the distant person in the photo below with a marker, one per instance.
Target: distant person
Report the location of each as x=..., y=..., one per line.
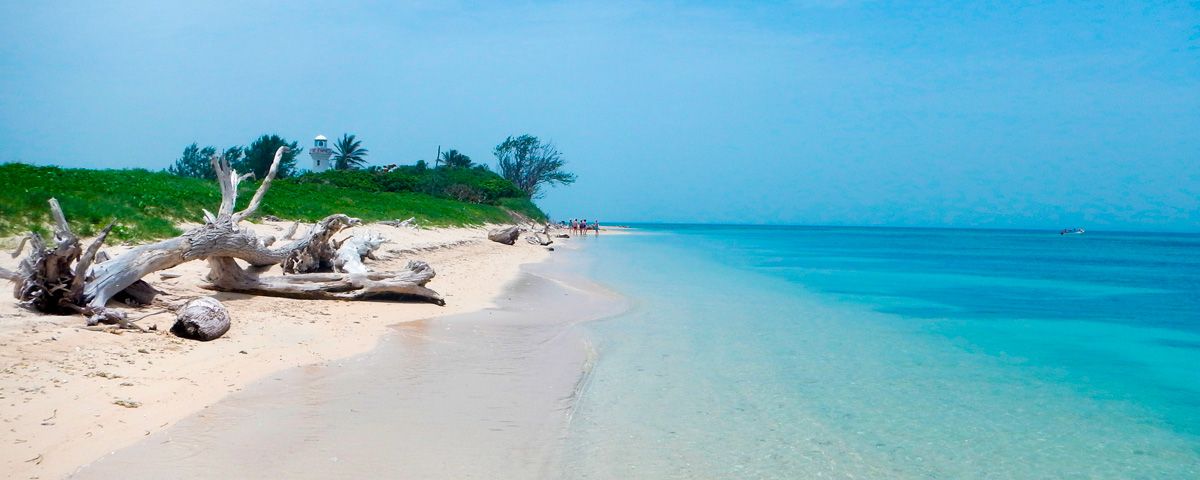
x=596, y=226
x=583, y=226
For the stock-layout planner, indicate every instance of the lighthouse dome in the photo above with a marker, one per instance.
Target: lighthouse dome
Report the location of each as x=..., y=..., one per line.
x=320, y=137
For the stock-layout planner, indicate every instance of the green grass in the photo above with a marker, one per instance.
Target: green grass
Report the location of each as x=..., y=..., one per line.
x=147, y=205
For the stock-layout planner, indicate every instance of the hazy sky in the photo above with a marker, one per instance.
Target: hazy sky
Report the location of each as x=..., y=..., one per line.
x=812, y=112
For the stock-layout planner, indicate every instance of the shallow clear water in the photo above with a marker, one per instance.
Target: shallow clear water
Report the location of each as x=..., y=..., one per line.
x=756, y=352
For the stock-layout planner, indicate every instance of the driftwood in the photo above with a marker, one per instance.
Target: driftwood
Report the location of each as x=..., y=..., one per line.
x=291, y=231
x=63, y=278
x=411, y=222
x=506, y=235
x=315, y=252
x=138, y=294
x=227, y=275
x=52, y=278
x=539, y=238
x=202, y=319
x=353, y=250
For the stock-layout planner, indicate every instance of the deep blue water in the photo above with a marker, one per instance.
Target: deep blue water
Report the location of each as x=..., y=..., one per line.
x=795, y=352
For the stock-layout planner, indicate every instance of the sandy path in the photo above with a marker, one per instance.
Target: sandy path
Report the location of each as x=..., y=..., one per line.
x=60, y=386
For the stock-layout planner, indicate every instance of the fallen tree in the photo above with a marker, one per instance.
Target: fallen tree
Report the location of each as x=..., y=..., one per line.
x=67, y=278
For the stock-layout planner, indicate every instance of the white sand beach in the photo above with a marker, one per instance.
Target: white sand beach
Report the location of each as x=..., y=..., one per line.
x=71, y=396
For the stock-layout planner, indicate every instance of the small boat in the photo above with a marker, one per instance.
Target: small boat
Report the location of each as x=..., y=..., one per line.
x=1071, y=231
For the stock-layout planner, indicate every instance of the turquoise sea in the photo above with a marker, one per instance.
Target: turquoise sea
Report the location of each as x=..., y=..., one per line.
x=781, y=352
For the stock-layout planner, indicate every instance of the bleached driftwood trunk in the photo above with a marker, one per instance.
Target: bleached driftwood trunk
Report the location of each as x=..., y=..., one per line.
x=47, y=282
x=353, y=250
x=506, y=235
x=227, y=275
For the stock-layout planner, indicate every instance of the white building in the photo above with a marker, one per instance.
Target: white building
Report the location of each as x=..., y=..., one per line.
x=320, y=154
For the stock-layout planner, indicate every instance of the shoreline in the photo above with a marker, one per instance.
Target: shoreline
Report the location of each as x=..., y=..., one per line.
x=496, y=387
x=63, y=387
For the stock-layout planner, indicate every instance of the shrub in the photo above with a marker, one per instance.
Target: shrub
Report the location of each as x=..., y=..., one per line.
x=475, y=185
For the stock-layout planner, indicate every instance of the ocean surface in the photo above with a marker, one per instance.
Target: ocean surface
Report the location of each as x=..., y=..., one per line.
x=769, y=352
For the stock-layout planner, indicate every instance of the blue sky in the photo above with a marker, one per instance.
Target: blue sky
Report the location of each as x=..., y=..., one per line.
x=1001, y=114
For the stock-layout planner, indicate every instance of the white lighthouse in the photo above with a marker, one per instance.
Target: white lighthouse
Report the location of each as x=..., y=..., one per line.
x=320, y=154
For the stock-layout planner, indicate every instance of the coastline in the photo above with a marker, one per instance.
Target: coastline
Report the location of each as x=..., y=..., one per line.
x=60, y=384
x=482, y=394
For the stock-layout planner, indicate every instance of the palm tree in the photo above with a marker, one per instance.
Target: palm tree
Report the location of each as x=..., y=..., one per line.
x=349, y=153
x=453, y=159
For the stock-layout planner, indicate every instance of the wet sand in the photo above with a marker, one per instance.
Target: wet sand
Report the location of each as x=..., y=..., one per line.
x=486, y=394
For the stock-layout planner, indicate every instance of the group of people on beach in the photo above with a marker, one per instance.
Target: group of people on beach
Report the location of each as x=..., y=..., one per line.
x=581, y=226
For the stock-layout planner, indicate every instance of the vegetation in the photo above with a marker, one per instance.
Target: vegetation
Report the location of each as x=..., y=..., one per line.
x=196, y=162
x=259, y=155
x=474, y=185
x=348, y=153
x=453, y=159
x=147, y=205
x=532, y=165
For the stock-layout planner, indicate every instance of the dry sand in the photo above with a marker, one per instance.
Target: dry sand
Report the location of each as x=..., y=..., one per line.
x=70, y=396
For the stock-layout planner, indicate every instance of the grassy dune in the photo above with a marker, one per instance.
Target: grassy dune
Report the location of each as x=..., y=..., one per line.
x=147, y=205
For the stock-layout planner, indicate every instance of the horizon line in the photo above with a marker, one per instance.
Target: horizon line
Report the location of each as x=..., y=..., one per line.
x=897, y=227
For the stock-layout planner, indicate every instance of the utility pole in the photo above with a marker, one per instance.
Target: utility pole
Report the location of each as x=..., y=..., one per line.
x=438, y=158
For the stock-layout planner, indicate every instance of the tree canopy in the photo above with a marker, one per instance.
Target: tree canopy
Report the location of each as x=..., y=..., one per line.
x=348, y=153
x=531, y=165
x=196, y=162
x=453, y=159
x=261, y=152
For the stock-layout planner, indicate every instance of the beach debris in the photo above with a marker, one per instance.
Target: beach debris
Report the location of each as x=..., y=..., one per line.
x=271, y=218
x=539, y=238
x=20, y=246
x=52, y=277
x=66, y=278
x=127, y=403
x=506, y=235
x=291, y=231
x=352, y=251
x=169, y=275
x=203, y=319
x=411, y=222
x=137, y=294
